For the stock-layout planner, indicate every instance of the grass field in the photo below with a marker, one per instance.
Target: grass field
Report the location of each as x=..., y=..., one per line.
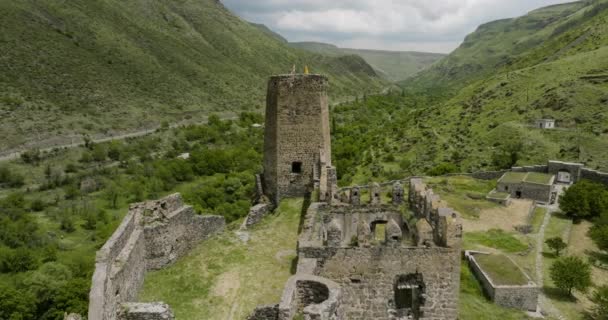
x=224, y=278
x=496, y=239
x=464, y=194
x=501, y=269
x=537, y=218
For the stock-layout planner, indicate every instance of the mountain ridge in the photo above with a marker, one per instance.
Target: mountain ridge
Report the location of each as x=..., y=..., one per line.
x=77, y=67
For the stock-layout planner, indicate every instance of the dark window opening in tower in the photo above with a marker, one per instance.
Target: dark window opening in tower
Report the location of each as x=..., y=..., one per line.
x=296, y=167
x=404, y=297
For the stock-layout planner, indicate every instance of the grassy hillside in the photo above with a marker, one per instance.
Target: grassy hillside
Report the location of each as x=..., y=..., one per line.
x=481, y=117
x=495, y=45
x=72, y=67
x=393, y=65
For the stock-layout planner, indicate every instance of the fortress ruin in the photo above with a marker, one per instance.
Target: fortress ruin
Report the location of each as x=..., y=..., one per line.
x=359, y=255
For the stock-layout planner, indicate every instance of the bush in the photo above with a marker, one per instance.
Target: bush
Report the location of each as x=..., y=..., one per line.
x=570, y=273
x=37, y=205
x=10, y=178
x=16, y=304
x=600, y=299
x=67, y=224
x=17, y=260
x=599, y=234
x=585, y=199
x=556, y=244
x=443, y=169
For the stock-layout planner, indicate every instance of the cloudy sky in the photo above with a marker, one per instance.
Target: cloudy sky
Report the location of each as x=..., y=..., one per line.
x=421, y=25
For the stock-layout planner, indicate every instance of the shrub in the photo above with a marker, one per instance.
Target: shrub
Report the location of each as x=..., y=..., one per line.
x=599, y=234
x=17, y=260
x=37, y=205
x=556, y=244
x=600, y=299
x=570, y=273
x=443, y=169
x=11, y=178
x=585, y=199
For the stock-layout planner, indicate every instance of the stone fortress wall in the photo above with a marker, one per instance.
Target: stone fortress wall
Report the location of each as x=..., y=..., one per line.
x=413, y=271
x=153, y=235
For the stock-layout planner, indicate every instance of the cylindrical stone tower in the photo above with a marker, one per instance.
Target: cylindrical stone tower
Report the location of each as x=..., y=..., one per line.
x=297, y=138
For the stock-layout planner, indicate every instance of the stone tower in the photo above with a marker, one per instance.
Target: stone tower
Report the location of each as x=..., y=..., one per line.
x=297, y=142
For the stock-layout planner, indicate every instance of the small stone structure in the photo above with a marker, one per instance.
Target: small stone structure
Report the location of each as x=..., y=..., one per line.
x=152, y=235
x=145, y=311
x=256, y=214
x=527, y=185
x=523, y=297
x=545, y=123
x=297, y=143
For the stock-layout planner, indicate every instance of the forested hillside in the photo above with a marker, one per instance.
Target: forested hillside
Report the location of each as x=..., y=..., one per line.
x=80, y=66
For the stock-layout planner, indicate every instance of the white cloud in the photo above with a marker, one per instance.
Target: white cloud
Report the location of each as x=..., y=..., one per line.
x=422, y=25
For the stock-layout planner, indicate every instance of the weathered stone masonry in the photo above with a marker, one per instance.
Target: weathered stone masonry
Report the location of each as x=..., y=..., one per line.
x=153, y=235
x=395, y=277
x=297, y=135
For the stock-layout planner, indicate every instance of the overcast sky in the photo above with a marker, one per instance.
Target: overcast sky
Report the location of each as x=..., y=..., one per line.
x=420, y=25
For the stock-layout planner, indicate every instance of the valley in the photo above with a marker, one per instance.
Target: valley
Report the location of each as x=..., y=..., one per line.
x=110, y=103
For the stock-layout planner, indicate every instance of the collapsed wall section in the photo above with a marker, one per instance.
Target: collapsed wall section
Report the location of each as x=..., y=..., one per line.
x=152, y=235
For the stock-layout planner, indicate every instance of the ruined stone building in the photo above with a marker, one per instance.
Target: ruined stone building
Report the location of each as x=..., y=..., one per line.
x=364, y=252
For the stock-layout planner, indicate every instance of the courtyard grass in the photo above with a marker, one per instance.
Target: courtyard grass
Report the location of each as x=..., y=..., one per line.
x=464, y=194
x=225, y=278
x=537, y=218
x=501, y=269
x=495, y=238
x=473, y=305
x=513, y=177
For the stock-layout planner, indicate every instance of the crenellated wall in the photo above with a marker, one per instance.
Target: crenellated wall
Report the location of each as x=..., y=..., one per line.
x=151, y=236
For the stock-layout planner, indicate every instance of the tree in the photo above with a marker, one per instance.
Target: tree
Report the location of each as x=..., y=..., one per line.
x=600, y=299
x=599, y=234
x=112, y=194
x=556, y=244
x=570, y=273
x=16, y=304
x=585, y=199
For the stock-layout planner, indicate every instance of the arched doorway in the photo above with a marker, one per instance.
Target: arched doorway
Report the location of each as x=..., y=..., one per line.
x=564, y=176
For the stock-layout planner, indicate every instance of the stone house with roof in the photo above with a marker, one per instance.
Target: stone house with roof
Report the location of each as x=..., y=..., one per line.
x=527, y=185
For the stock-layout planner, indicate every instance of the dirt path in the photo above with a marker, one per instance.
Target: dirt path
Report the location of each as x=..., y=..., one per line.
x=544, y=305
x=506, y=218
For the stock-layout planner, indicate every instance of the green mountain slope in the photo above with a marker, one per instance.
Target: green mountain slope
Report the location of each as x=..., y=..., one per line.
x=486, y=119
x=496, y=44
x=80, y=66
x=393, y=65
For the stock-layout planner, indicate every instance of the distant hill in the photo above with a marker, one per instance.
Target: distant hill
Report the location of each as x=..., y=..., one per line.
x=496, y=45
x=393, y=65
x=81, y=66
